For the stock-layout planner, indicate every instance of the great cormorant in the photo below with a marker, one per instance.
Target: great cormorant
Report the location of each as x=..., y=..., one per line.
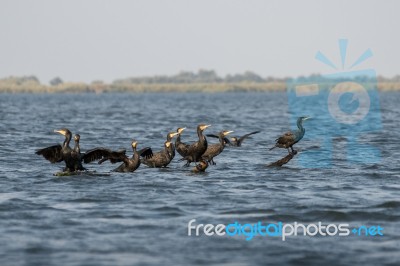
x=288, y=139
x=76, y=154
x=181, y=147
x=234, y=141
x=161, y=158
x=200, y=167
x=169, y=138
x=59, y=153
x=129, y=164
x=214, y=149
x=193, y=152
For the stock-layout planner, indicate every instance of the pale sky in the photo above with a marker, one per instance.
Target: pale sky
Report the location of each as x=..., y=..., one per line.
x=86, y=40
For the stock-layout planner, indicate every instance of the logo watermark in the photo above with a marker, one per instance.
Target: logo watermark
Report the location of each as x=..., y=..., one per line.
x=282, y=230
x=343, y=105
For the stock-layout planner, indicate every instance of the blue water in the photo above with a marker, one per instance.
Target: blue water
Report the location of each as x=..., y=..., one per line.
x=141, y=218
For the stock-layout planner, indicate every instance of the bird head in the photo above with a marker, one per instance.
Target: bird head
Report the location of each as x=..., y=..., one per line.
x=225, y=132
x=180, y=130
x=171, y=135
x=77, y=137
x=134, y=144
x=63, y=131
x=302, y=119
x=167, y=144
x=202, y=127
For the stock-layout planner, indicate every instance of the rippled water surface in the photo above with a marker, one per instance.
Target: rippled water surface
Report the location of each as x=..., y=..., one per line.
x=107, y=218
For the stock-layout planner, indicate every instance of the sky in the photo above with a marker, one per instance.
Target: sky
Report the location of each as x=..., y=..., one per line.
x=87, y=40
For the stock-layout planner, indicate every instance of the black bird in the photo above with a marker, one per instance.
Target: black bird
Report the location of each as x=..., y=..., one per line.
x=161, y=158
x=288, y=139
x=59, y=153
x=214, y=150
x=181, y=147
x=193, y=152
x=128, y=165
x=200, y=167
x=76, y=154
x=234, y=141
x=169, y=138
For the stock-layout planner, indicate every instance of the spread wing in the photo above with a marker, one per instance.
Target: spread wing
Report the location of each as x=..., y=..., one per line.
x=227, y=141
x=245, y=136
x=146, y=153
x=157, y=158
x=52, y=153
x=103, y=154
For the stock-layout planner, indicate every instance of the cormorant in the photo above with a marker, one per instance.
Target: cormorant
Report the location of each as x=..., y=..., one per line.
x=76, y=154
x=215, y=149
x=59, y=153
x=234, y=141
x=161, y=158
x=128, y=165
x=200, y=167
x=180, y=147
x=288, y=139
x=193, y=152
x=169, y=138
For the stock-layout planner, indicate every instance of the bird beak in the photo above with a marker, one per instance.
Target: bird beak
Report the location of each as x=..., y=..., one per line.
x=62, y=132
x=306, y=118
x=174, y=134
x=228, y=132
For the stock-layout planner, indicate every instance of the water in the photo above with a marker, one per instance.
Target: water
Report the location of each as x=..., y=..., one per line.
x=141, y=217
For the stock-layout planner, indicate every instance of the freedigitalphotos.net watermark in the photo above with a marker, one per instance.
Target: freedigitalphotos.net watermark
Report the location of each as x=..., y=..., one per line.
x=282, y=230
x=343, y=105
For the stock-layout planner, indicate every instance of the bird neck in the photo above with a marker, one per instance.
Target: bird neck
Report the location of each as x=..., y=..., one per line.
x=134, y=152
x=67, y=140
x=77, y=148
x=222, y=140
x=200, y=134
x=300, y=125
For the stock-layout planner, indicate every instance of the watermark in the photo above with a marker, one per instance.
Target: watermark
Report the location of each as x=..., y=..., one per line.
x=343, y=105
x=282, y=230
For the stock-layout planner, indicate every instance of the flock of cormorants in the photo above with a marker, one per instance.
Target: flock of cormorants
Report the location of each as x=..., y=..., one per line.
x=199, y=152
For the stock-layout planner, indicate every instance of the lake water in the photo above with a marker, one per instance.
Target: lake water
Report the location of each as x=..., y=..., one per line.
x=107, y=218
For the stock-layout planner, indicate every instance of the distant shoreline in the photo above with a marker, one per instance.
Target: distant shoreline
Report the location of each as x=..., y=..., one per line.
x=202, y=81
x=162, y=87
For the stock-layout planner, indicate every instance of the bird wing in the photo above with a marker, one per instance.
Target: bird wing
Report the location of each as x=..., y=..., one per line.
x=146, y=152
x=227, y=141
x=52, y=153
x=192, y=148
x=212, y=151
x=286, y=138
x=104, y=154
x=182, y=148
x=157, y=158
x=245, y=136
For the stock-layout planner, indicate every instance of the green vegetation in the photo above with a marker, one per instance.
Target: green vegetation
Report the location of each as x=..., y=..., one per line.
x=202, y=81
